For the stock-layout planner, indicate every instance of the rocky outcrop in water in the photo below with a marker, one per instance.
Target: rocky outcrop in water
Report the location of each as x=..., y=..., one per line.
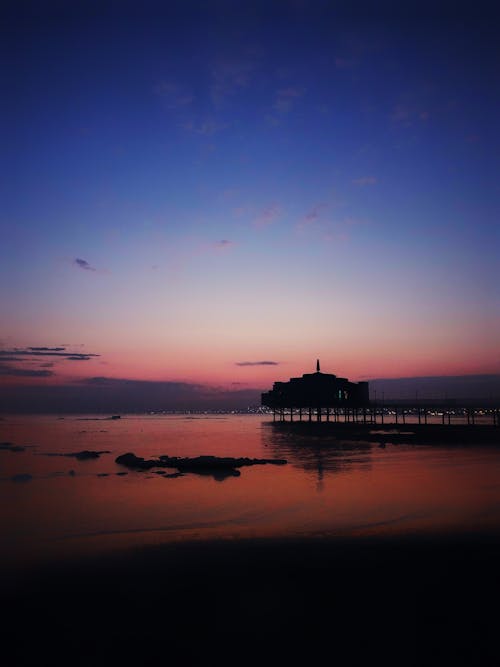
x=87, y=454
x=84, y=455
x=22, y=477
x=10, y=447
x=217, y=466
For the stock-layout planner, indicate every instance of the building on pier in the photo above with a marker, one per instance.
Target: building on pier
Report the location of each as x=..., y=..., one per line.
x=317, y=391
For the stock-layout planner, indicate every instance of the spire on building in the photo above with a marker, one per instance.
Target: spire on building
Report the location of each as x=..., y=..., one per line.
x=317, y=365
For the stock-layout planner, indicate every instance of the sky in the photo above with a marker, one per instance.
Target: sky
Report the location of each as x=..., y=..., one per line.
x=212, y=195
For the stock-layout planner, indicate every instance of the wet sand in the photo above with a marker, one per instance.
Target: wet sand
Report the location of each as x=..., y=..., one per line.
x=398, y=601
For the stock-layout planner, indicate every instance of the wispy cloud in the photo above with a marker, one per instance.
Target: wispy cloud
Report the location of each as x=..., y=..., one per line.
x=312, y=216
x=15, y=371
x=174, y=96
x=316, y=226
x=364, y=180
x=268, y=215
x=238, y=211
x=44, y=352
x=400, y=114
x=228, y=76
x=350, y=221
x=286, y=97
x=224, y=244
x=31, y=361
x=206, y=128
x=409, y=114
x=83, y=264
x=344, y=63
x=257, y=363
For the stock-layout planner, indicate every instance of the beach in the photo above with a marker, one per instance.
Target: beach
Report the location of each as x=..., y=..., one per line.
x=350, y=602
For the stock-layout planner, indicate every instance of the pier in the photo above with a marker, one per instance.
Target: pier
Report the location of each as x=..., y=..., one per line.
x=323, y=397
x=393, y=413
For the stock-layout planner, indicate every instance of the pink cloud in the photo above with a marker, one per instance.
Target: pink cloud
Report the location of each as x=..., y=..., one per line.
x=224, y=244
x=206, y=128
x=312, y=216
x=174, y=95
x=344, y=63
x=407, y=114
x=285, y=98
x=228, y=76
x=238, y=211
x=365, y=180
x=401, y=114
x=268, y=215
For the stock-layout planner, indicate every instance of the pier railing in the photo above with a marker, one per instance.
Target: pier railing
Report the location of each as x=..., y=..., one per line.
x=394, y=413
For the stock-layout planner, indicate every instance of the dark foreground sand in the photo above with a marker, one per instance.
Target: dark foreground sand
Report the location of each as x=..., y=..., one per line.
x=404, y=601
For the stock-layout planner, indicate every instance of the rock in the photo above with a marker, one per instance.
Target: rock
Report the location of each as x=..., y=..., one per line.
x=87, y=454
x=130, y=460
x=22, y=477
x=10, y=447
x=218, y=467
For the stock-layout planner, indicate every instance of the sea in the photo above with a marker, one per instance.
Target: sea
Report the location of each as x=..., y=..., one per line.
x=55, y=505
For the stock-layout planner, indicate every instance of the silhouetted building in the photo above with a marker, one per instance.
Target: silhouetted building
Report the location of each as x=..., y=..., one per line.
x=317, y=390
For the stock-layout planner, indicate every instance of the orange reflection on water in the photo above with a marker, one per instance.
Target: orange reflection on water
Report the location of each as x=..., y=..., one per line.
x=327, y=488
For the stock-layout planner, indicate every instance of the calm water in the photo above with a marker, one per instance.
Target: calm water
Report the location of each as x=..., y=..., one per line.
x=52, y=505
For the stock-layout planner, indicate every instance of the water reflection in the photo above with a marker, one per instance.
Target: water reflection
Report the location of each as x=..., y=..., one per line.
x=320, y=454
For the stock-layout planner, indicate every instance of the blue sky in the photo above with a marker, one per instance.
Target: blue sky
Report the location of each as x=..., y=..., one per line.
x=278, y=180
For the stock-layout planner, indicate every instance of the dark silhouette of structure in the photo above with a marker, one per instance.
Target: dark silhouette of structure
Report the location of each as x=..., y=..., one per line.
x=339, y=400
x=317, y=391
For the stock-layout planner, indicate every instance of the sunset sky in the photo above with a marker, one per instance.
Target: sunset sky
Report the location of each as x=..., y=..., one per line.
x=218, y=193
